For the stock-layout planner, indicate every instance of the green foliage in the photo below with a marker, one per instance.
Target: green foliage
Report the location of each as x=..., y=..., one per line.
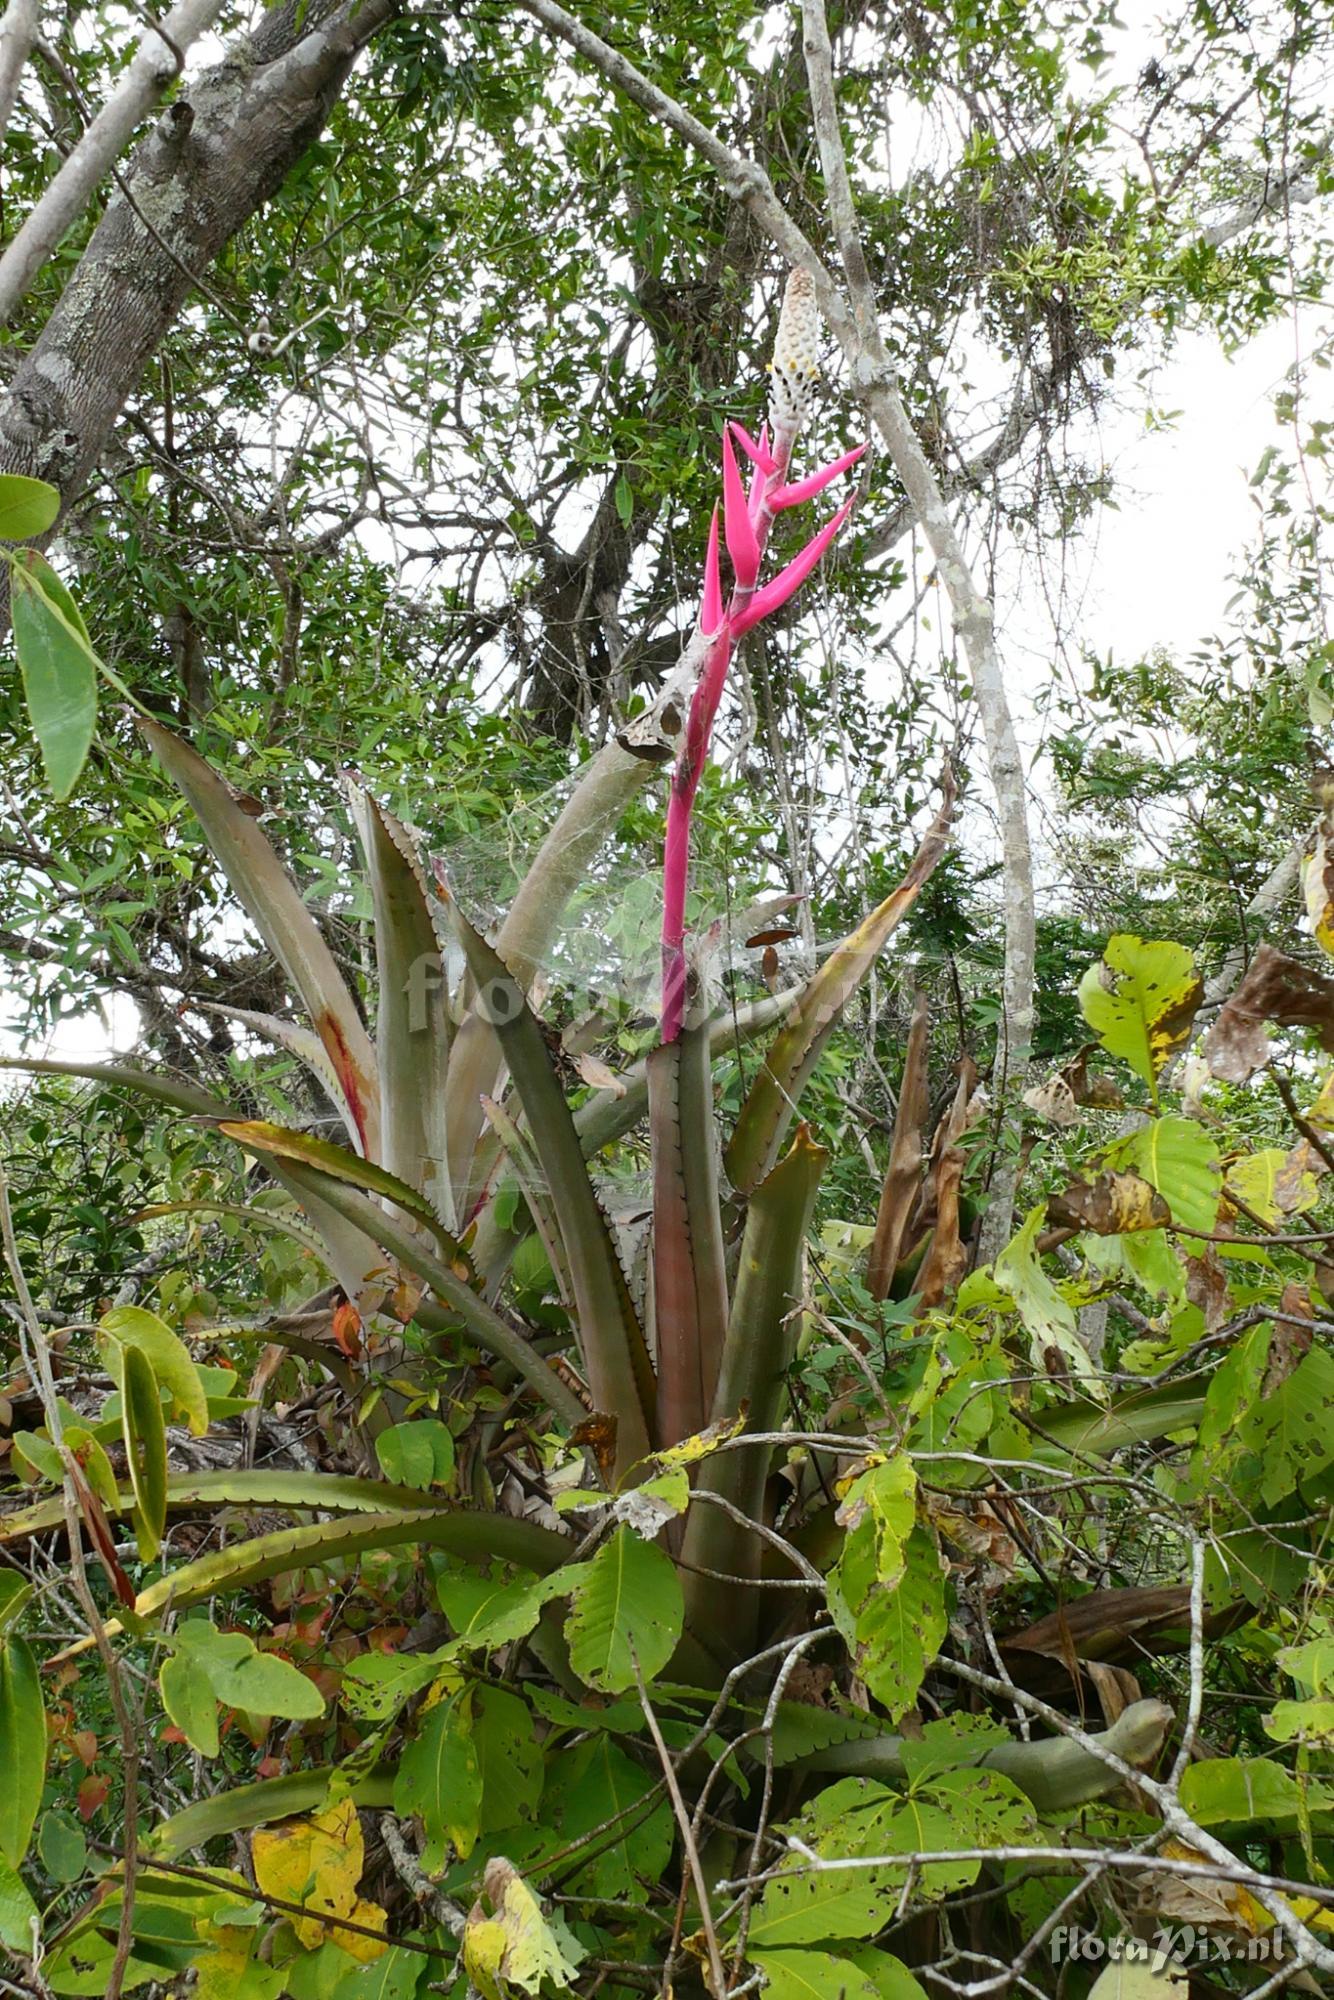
x=625, y=1615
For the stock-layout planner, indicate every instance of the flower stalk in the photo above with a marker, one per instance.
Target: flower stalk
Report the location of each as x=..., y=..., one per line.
x=748, y=516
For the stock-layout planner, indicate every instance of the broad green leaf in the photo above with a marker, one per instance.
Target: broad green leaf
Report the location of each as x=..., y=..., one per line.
x=20, y=1925
x=1311, y=1664
x=28, y=507
x=208, y=1667
x=62, y=1846
x=509, y=1757
x=1221, y=1789
x=1140, y=1000
x=417, y=1454
x=1291, y=1428
x=1302, y=1722
x=1141, y=1977
x=851, y=1820
x=395, y=1975
x=145, y=1449
x=315, y=1975
x=171, y=1360
x=440, y=1779
x=956, y=1743
x=188, y=1697
x=894, y=1628
x=22, y=1747
x=59, y=672
x=230, y=1971
x=15, y=1592
x=596, y=1782
x=821, y=1975
x=626, y=1612
x=376, y=1686
x=1180, y=1159
x=1048, y=1318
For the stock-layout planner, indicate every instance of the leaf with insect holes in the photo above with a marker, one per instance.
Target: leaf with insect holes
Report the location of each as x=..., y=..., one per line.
x=888, y=1600
x=626, y=1612
x=317, y=1864
x=1140, y=1000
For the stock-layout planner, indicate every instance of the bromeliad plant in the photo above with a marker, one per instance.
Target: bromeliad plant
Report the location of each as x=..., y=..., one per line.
x=651, y=1408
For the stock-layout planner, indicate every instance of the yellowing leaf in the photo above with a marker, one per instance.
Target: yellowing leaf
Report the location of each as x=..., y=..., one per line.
x=519, y=1945
x=317, y=1862
x=1318, y=879
x=1140, y=1001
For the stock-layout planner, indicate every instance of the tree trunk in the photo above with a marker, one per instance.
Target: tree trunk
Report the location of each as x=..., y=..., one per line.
x=213, y=157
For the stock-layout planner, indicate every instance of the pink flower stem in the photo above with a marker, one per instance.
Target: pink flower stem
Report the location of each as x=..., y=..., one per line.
x=690, y=766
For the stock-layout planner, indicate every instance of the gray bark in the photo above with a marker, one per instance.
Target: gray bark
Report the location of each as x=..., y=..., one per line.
x=18, y=32
x=157, y=63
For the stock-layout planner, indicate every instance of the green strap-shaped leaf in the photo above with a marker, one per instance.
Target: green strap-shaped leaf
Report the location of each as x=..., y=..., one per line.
x=327, y=1492
x=145, y=1447
x=772, y=1098
x=168, y=1090
x=620, y=1373
x=260, y=1804
x=761, y=1340
x=277, y=1142
x=316, y=1546
x=270, y=898
x=590, y=813
x=59, y=671
x=482, y=1320
x=689, y=1270
x=625, y=1613
x=412, y=1029
x=22, y=1747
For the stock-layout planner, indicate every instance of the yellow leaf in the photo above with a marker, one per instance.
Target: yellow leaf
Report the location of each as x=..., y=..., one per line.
x=316, y=1862
x=352, y=1942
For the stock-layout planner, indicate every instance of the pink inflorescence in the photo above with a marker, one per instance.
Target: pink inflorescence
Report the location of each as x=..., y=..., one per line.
x=747, y=518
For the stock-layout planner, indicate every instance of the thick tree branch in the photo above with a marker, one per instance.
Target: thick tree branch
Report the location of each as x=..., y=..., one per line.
x=18, y=32
x=156, y=64
x=219, y=152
